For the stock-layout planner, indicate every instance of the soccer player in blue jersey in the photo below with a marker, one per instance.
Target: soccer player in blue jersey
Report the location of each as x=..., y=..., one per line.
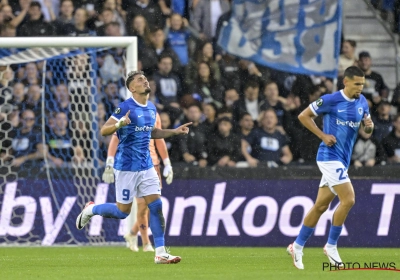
x=134, y=122
x=344, y=112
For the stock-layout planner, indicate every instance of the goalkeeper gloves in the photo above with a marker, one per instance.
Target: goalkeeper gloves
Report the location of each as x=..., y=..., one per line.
x=108, y=175
x=168, y=173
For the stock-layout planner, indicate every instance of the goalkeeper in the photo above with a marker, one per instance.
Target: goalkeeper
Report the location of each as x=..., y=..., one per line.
x=142, y=209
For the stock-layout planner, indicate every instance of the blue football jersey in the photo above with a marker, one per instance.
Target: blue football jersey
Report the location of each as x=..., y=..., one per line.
x=342, y=118
x=133, y=152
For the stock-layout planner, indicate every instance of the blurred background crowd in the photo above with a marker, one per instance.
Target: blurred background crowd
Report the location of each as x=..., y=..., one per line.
x=243, y=114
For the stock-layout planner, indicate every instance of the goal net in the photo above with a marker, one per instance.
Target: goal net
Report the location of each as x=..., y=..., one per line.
x=55, y=94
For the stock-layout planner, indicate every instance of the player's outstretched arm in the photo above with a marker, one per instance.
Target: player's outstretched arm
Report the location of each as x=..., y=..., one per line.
x=108, y=174
x=112, y=125
x=165, y=133
x=307, y=119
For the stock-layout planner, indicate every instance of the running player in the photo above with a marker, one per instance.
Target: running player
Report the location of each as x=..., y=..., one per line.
x=134, y=172
x=343, y=112
x=141, y=224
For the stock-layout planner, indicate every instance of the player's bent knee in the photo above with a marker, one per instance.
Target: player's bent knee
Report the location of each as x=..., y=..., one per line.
x=321, y=208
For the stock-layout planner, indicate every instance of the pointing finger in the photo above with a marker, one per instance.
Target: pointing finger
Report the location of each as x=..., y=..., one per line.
x=127, y=113
x=186, y=124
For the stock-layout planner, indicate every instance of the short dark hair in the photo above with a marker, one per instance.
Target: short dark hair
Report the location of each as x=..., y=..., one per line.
x=35, y=4
x=352, y=71
x=244, y=114
x=165, y=55
x=131, y=76
x=252, y=83
x=224, y=119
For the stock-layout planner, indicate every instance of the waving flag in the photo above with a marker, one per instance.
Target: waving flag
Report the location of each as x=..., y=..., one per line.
x=298, y=36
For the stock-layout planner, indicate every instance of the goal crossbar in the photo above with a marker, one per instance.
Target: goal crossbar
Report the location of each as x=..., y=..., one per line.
x=130, y=43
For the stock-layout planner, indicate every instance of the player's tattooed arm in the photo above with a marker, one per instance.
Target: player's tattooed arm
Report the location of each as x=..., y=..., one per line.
x=165, y=133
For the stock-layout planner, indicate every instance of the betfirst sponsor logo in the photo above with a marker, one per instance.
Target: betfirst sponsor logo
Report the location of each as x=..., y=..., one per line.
x=348, y=123
x=210, y=216
x=143, y=128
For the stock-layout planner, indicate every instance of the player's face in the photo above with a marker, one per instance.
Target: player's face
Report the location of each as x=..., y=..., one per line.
x=354, y=86
x=140, y=85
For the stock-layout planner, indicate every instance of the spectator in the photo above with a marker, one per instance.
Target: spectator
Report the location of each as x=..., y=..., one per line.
x=267, y=144
x=391, y=143
x=249, y=103
x=348, y=57
x=119, y=15
x=206, y=87
x=106, y=17
x=32, y=76
x=193, y=145
x=33, y=101
x=65, y=19
x=205, y=17
x=382, y=121
x=224, y=149
x=149, y=10
x=367, y=150
x=27, y=146
x=79, y=27
x=35, y=26
x=230, y=96
x=158, y=48
x=62, y=148
x=230, y=71
x=375, y=88
x=141, y=30
x=246, y=125
x=8, y=16
x=168, y=85
x=273, y=100
x=113, y=29
x=205, y=52
x=210, y=112
x=111, y=99
x=178, y=33
x=18, y=96
x=101, y=113
x=61, y=100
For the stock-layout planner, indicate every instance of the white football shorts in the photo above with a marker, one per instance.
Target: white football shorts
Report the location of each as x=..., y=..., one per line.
x=333, y=173
x=129, y=184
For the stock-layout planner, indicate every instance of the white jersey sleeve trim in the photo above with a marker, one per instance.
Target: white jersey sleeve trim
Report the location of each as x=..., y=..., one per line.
x=312, y=110
x=114, y=118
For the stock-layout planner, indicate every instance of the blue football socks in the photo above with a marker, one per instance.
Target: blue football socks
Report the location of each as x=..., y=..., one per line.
x=157, y=222
x=334, y=234
x=109, y=210
x=305, y=233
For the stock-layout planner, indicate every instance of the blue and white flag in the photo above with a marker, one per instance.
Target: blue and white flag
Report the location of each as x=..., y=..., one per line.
x=298, y=36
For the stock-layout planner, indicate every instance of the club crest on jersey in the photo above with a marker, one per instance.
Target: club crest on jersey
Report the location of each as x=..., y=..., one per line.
x=360, y=111
x=153, y=116
x=117, y=111
x=319, y=102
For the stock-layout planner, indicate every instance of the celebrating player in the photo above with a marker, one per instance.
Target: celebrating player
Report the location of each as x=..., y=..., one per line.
x=134, y=172
x=141, y=224
x=343, y=112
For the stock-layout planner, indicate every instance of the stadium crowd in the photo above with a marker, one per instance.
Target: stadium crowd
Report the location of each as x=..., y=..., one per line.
x=243, y=113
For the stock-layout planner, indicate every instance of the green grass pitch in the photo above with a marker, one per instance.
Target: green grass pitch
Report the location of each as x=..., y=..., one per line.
x=197, y=263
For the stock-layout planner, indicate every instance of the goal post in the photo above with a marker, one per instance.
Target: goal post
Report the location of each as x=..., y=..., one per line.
x=82, y=89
